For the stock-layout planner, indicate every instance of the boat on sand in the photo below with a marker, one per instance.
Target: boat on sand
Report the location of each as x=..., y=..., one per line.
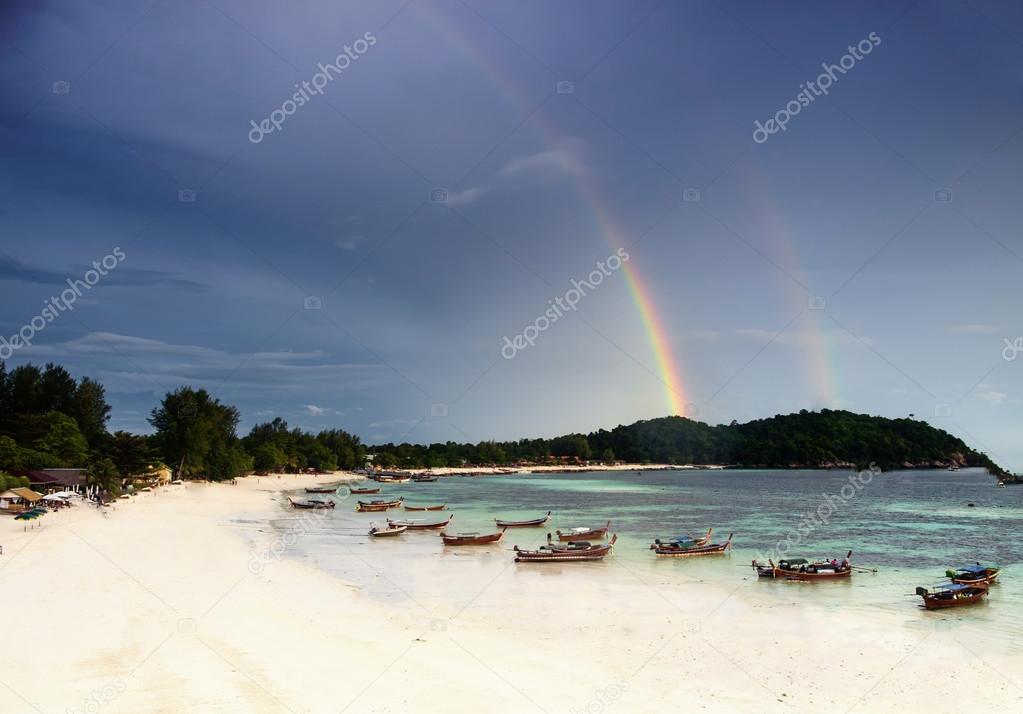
x=952, y=595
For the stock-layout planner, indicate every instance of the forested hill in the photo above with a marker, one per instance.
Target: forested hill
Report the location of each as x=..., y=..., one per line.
x=807, y=439
x=825, y=439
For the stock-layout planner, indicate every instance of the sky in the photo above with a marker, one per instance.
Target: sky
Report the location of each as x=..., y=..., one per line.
x=408, y=252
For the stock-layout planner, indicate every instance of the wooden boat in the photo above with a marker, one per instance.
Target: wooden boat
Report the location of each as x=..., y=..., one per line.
x=573, y=551
x=974, y=575
x=424, y=478
x=584, y=533
x=321, y=489
x=311, y=503
x=672, y=550
x=373, y=506
x=472, y=538
x=439, y=507
x=363, y=491
x=952, y=595
x=418, y=526
x=391, y=478
x=682, y=541
x=523, y=524
x=389, y=531
x=804, y=570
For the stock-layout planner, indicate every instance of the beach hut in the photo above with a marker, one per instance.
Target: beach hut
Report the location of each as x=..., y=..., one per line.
x=16, y=500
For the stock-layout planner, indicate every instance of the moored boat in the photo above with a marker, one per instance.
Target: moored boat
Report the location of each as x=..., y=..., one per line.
x=311, y=503
x=952, y=595
x=523, y=524
x=321, y=489
x=584, y=533
x=419, y=525
x=378, y=532
x=974, y=574
x=363, y=491
x=439, y=507
x=674, y=550
x=391, y=477
x=472, y=538
x=572, y=551
x=805, y=570
x=424, y=478
x=683, y=541
x=379, y=505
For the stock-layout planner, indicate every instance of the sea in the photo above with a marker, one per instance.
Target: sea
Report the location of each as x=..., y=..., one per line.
x=904, y=528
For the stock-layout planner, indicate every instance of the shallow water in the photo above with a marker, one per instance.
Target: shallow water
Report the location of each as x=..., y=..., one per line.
x=909, y=525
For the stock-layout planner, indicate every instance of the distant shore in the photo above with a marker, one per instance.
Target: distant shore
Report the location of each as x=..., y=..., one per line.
x=562, y=468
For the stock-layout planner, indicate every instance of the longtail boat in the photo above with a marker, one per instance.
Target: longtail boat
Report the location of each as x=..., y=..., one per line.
x=311, y=503
x=439, y=507
x=523, y=524
x=373, y=506
x=321, y=489
x=419, y=526
x=472, y=538
x=682, y=541
x=363, y=491
x=424, y=478
x=804, y=570
x=584, y=533
x=573, y=551
x=389, y=531
x=952, y=595
x=391, y=478
x=671, y=550
x=974, y=575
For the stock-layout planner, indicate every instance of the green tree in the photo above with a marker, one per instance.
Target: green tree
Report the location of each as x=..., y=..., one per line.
x=62, y=441
x=131, y=454
x=91, y=411
x=196, y=434
x=104, y=474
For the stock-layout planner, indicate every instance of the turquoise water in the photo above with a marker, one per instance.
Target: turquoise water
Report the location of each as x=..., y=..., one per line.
x=909, y=525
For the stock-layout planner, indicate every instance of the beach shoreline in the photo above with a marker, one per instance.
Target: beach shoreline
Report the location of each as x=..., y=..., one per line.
x=158, y=606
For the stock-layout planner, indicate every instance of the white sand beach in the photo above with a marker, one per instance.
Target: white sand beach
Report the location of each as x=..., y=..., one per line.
x=164, y=605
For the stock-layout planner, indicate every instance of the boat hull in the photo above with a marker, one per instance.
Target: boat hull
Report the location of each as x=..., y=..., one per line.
x=419, y=526
x=472, y=540
x=441, y=507
x=563, y=554
x=712, y=549
x=941, y=601
x=534, y=523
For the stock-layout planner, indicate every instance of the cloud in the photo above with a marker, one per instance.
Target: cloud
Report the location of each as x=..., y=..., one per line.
x=972, y=329
x=993, y=396
x=393, y=423
x=15, y=270
x=800, y=339
x=350, y=243
x=565, y=159
x=314, y=410
x=128, y=363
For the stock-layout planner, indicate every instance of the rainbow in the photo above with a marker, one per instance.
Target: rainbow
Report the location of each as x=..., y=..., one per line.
x=667, y=366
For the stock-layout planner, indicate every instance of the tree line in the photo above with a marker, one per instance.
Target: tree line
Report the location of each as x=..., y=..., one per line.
x=50, y=419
